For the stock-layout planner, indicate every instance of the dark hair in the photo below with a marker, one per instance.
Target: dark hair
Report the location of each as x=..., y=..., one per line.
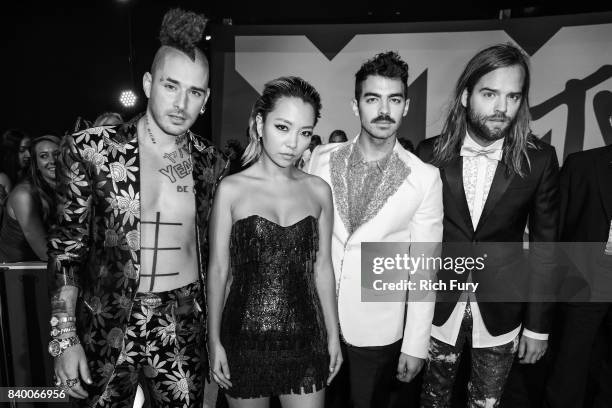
x=387, y=64
x=234, y=144
x=337, y=133
x=290, y=87
x=519, y=137
x=43, y=193
x=9, y=154
x=406, y=144
x=182, y=30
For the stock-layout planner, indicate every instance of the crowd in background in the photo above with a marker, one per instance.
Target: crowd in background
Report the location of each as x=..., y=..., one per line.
x=27, y=183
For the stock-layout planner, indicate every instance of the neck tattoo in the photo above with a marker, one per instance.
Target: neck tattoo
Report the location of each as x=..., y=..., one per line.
x=149, y=129
x=178, y=140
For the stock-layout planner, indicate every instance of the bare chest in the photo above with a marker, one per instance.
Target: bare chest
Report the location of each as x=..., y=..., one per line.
x=168, y=258
x=167, y=181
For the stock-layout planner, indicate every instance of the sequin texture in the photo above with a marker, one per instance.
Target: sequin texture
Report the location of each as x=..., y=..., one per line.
x=272, y=326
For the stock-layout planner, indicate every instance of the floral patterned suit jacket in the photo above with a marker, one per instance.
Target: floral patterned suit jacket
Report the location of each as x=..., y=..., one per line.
x=96, y=244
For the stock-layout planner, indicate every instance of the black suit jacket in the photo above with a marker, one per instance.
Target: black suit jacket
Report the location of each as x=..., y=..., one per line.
x=512, y=202
x=586, y=211
x=586, y=196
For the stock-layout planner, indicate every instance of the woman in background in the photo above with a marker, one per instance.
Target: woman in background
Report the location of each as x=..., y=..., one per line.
x=31, y=206
x=14, y=160
x=271, y=228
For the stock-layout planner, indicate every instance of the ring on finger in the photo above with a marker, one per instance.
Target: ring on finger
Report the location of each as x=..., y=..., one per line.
x=63, y=386
x=71, y=382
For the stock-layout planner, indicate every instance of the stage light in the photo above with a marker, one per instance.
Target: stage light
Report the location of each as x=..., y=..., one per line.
x=128, y=98
x=207, y=38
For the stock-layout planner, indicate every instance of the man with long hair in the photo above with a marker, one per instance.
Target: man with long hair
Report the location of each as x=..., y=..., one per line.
x=129, y=253
x=382, y=193
x=498, y=178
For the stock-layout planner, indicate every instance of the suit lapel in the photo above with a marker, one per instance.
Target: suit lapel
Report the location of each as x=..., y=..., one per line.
x=338, y=169
x=499, y=185
x=453, y=173
x=604, y=177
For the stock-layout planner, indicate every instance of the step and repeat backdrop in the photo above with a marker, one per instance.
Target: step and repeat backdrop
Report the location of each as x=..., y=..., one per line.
x=571, y=62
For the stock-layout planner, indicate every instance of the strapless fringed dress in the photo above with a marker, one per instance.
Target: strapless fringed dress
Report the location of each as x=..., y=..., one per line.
x=272, y=327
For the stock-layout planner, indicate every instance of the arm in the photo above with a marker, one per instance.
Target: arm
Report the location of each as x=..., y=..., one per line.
x=5, y=188
x=425, y=238
x=216, y=166
x=27, y=214
x=68, y=248
x=218, y=267
x=543, y=232
x=324, y=277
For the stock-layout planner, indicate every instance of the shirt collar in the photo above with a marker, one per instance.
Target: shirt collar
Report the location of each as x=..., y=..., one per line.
x=356, y=158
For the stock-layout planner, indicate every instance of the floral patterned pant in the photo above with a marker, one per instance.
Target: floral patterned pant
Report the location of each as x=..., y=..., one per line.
x=488, y=374
x=163, y=347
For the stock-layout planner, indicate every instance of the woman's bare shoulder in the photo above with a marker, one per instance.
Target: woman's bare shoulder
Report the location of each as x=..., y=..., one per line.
x=317, y=187
x=21, y=197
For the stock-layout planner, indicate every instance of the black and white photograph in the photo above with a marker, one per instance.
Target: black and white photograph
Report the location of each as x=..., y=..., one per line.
x=317, y=204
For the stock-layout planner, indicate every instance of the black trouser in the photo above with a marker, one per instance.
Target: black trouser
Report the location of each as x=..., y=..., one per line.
x=567, y=383
x=371, y=371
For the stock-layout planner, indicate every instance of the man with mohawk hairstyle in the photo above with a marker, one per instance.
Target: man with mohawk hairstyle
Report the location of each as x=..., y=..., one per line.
x=128, y=253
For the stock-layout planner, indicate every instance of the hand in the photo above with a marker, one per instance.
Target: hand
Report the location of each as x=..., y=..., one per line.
x=335, y=358
x=531, y=350
x=71, y=364
x=218, y=365
x=408, y=367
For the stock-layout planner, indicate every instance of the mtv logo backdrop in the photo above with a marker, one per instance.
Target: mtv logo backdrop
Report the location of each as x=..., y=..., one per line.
x=571, y=62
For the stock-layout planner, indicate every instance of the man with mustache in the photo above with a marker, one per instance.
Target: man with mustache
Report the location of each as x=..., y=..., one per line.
x=498, y=178
x=129, y=252
x=382, y=193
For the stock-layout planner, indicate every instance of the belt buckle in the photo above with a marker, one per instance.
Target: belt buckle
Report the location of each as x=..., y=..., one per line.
x=151, y=300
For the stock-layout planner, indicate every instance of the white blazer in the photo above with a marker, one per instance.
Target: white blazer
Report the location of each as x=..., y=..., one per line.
x=406, y=207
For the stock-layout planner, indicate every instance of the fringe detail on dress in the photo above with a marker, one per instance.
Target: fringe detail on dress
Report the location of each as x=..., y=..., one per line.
x=272, y=326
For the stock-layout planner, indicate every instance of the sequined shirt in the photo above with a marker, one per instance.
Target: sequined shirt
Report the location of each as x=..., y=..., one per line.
x=363, y=178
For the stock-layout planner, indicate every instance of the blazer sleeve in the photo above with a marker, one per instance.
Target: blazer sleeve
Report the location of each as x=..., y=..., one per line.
x=543, y=233
x=69, y=239
x=425, y=238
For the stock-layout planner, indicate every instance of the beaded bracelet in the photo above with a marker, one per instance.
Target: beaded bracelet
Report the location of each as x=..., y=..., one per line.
x=56, y=331
x=64, y=319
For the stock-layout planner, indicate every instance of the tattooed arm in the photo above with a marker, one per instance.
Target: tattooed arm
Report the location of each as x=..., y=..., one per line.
x=68, y=248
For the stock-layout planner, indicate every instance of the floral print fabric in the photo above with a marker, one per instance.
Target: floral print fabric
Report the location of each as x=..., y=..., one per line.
x=96, y=243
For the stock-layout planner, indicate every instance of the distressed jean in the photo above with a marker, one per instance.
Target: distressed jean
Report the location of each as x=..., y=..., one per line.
x=489, y=371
